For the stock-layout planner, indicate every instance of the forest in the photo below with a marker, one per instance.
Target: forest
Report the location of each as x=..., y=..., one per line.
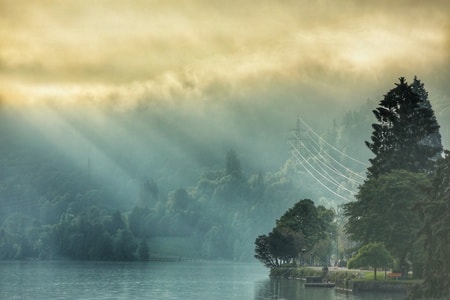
x=86, y=189
x=400, y=218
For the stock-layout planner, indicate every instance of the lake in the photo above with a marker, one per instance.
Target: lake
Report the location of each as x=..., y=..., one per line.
x=155, y=280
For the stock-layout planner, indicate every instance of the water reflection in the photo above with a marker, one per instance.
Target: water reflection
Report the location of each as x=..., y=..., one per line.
x=172, y=281
x=287, y=289
x=290, y=289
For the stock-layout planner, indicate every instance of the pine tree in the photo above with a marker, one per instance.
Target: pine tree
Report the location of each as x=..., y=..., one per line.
x=433, y=139
x=233, y=165
x=407, y=133
x=435, y=235
x=406, y=143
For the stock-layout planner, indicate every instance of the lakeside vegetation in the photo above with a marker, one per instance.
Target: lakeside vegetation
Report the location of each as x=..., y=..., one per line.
x=334, y=274
x=54, y=208
x=400, y=218
x=77, y=188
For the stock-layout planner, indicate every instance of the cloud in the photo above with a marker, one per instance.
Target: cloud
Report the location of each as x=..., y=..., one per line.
x=133, y=51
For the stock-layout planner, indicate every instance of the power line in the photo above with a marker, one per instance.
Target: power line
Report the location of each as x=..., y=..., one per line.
x=318, y=172
x=336, y=161
x=322, y=168
x=327, y=165
x=328, y=144
x=319, y=181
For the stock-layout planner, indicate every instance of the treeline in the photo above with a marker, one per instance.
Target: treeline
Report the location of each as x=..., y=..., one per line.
x=57, y=200
x=72, y=217
x=400, y=218
x=402, y=206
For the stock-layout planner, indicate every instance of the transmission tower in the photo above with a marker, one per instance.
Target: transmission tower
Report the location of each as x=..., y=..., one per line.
x=312, y=154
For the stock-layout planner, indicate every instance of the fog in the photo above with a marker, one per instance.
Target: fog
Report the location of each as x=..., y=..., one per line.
x=105, y=104
x=104, y=158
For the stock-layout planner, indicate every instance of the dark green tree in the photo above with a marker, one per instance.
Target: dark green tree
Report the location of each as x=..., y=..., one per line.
x=384, y=212
x=285, y=244
x=435, y=235
x=372, y=255
x=407, y=133
x=263, y=252
x=281, y=246
x=300, y=229
x=304, y=218
x=406, y=143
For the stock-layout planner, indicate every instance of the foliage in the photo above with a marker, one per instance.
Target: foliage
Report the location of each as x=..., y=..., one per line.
x=407, y=133
x=58, y=201
x=263, y=252
x=372, y=255
x=435, y=235
x=300, y=229
x=384, y=212
x=304, y=218
x=143, y=250
x=233, y=165
x=406, y=142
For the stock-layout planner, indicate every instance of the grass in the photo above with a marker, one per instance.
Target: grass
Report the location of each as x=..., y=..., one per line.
x=335, y=274
x=369, y=276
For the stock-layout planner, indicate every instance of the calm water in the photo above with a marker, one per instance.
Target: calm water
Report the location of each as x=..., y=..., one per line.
x=187, y=280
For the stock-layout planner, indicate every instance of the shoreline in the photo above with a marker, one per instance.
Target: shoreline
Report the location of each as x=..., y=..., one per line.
x=345, y=280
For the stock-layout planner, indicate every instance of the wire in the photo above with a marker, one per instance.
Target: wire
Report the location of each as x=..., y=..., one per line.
x=318, y=172
x=333, y=147
x=336, y=161
x=327, y=165
x=320, y=182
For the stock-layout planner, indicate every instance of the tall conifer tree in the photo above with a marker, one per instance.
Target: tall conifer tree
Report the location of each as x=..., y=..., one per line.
x=435, y=235
x=407, y=133
x=406, y=143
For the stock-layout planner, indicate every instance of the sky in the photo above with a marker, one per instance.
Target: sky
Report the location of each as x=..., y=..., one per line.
x=198, y=53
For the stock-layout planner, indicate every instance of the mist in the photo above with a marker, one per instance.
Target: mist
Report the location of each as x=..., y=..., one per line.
x=117, y=118
x=165, y=164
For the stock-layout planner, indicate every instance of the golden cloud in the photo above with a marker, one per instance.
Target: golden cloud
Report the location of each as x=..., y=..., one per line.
x=94, y=51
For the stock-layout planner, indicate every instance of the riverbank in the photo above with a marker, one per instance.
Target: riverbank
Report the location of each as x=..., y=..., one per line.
x=345, y=279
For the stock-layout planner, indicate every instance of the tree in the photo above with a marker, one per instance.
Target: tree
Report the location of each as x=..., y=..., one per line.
x=117, y=222
x=148, y=194
x=304, y=218
x=233, y=165
x=372, y=255
x=384, y=212
x=299, y=229
x=285, y=244
x=178, y=201
x=281, y=246
x=263, y=252
x=406, y=143
x=143, y=250
x=435, y=235
x=139, y=221
x=407, y=133
x=124, y=245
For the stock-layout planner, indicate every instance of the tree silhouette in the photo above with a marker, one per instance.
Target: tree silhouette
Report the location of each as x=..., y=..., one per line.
x=407, y=133
x=233, y=165
x=435, y=235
